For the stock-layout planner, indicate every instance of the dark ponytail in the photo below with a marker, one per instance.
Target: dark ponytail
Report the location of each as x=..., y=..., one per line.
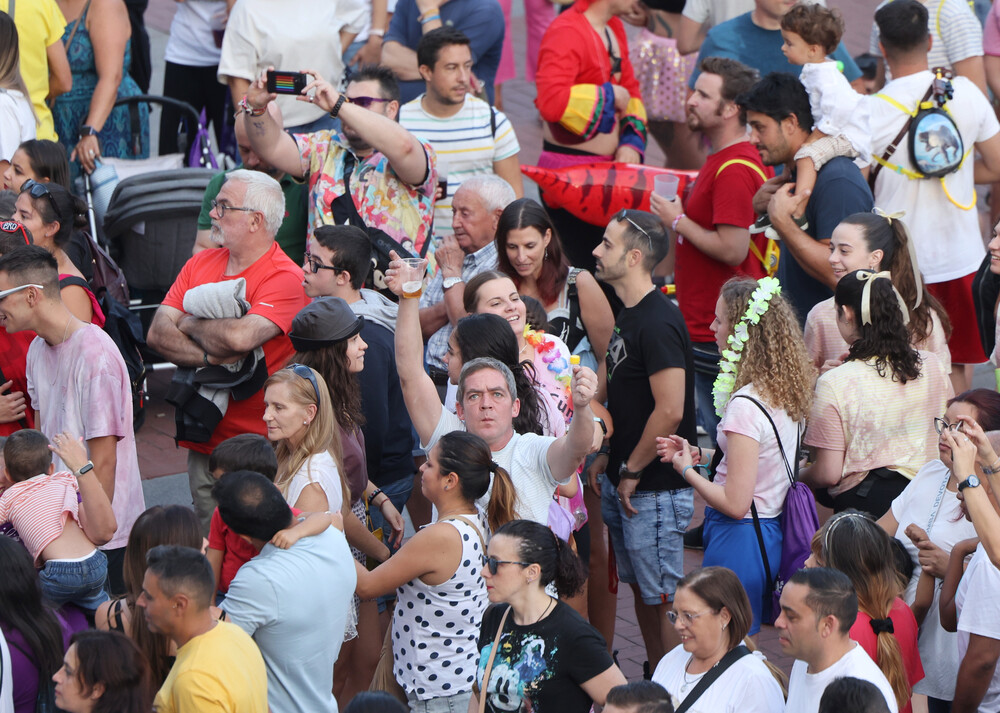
x=886, y=339
x=469, y=457
x=67, y=209
x=537, y=544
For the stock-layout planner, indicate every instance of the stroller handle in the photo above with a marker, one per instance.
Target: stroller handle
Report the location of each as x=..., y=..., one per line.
x=183, y=106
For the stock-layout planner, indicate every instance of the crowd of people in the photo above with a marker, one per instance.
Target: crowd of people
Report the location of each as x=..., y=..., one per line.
x=376, y=319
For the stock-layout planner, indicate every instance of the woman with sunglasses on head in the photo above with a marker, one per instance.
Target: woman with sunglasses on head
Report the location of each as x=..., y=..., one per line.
x=103, y=672
x=437, y=574
x=712, y=615
x=326, y=335
x=869, y=241
x=871, y=426
x=37, y=160
x=51, y=213
x=535, y=652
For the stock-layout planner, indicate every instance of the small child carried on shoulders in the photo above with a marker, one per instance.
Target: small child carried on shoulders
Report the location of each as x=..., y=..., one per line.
x=60, y=518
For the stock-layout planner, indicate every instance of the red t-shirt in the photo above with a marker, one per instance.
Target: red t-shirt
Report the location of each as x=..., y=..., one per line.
x=716, y=198
x=235, y=550
x=904, y=627
x=274, y=290
x=13, y=363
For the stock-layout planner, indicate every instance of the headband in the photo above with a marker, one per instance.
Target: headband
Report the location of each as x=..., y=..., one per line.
x=868, y=278
x=836, y=521
x=910, y=248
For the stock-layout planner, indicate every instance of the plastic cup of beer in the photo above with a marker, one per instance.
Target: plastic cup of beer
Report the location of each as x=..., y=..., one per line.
x=412, y=278
x=665, y=185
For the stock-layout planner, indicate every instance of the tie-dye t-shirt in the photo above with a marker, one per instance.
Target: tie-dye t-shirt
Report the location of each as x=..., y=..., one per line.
x=384, y=201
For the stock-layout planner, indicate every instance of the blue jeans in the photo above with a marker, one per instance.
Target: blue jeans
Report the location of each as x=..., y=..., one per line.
x=80, y=583
x=398, y=492
x=649, y=546
x=459, y=703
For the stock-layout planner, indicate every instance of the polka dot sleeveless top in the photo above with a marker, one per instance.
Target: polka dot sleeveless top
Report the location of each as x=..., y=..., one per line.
x=436, y=627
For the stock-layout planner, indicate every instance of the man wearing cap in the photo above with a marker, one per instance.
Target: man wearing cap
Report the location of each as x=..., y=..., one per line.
x=246, y=216
x=339, y=260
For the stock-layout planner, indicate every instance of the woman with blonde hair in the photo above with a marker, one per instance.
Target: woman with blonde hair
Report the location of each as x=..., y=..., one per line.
x=17, y=117
x=854, y=544
x=762, y=396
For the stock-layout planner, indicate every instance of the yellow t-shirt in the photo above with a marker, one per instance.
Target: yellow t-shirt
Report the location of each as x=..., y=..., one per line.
x=40, y=24
x=221, y=670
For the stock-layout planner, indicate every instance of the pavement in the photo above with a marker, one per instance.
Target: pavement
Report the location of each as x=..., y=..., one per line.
x=163, y=465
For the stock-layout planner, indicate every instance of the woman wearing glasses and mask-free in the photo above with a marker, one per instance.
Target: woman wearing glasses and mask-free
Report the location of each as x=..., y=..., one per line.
x=536, y=652
x=712, y=669
x=437, y=573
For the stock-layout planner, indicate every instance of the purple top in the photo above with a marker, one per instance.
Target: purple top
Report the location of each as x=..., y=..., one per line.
x=23, y=668
x=355, y=462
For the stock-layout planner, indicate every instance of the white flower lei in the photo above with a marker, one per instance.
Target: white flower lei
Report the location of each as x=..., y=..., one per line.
x=767, y=287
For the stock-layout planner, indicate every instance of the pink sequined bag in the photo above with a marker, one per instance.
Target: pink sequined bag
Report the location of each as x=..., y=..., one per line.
x=663, y=74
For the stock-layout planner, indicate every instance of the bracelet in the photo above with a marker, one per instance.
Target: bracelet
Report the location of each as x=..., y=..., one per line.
x=375, y=494
x=604, y=451
x=673, y=226
x=696, y=467
x=993, y=469
x=376, y=33
x=336, y=107
x=204, y=358
x=249, y=110
x=430, y=18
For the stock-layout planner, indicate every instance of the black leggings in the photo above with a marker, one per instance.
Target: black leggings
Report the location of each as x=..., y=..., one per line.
x=198, y=87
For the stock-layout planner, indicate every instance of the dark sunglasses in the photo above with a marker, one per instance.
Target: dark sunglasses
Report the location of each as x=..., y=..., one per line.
x=37, y=190
x=623, y=215
x=315, y=265
x=365, y=102
x=12, y=227
x=306, y=373
x=493, y=564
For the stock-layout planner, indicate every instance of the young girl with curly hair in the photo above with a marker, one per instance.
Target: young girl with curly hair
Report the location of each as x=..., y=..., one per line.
x=767, y=378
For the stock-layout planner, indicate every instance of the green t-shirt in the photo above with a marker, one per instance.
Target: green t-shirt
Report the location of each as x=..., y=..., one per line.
x=292, y=233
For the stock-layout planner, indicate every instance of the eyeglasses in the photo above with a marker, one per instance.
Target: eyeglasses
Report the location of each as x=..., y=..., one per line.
x=940, y=425
x=623, y=215
x=221, y=208
x=686, y=616
x=4, y=294
x=12, y=227
x=306, y=373
x=364, y=102
x=493, y=564
x=315, y=265
x=37, y=190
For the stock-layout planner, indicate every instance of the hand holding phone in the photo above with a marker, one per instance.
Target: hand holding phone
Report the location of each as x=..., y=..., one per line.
x=279, y=82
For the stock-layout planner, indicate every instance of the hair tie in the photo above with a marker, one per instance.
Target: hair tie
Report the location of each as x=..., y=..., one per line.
x=882, y=626
x=868, y=278
x=888, y=216
x=910, y=248
x=494, y=467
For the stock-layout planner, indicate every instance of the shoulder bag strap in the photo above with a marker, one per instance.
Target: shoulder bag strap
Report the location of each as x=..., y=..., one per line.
x=10, y=9
x=712, y=676
x=777, y=437
x=471, y=524
x=489, y=662
x=894, y=144
x=76, y=25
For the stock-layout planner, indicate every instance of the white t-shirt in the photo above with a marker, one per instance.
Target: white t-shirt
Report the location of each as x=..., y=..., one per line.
x=82, y=387
x=17, y=122
x=466, y=145
x=980, y=586
x=745, y=687
x=191, y=41
x=291, y=35
x=805, y=689
x=914, y=506
x=947, y=238
x=321, y=469
x=742, y=416
x=524, y=458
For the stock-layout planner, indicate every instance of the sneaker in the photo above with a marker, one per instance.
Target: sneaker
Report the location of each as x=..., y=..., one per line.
x=761, y=224
x=693, y=539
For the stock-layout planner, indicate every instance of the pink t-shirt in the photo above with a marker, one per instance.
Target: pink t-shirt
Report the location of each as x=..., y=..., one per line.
x=991, y=32
x=552, y=370
x=743, y=417
x=82, y=387
x=39, y=507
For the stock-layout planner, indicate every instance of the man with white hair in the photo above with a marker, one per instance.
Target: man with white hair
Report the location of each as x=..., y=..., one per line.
x=245, y=216
x=475, y=210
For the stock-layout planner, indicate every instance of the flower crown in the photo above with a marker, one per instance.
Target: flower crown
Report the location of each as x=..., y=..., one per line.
x=767, y=287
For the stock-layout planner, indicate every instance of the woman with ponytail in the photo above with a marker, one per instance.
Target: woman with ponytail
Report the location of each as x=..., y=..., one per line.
x=872, y=422
x=875, y=241
x=437, y=574
x=854, y=544
x=536, y=652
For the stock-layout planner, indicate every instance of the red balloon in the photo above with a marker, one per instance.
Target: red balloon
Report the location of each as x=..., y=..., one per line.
x=594, y=192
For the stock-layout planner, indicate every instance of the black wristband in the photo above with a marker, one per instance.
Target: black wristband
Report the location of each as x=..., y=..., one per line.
x=336, y=107
x=375, y=494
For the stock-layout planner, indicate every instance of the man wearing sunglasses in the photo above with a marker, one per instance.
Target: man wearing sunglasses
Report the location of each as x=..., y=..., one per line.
x=372, y=173
x=245, y=217
x=646, y=505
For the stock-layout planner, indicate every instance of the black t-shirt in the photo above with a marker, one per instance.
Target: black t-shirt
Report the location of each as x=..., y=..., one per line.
x=544, y=662
x=648, y=338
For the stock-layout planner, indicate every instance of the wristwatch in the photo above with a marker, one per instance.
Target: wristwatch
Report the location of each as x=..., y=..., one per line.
x=971, y=482
x=86, y=468
x=449, y=282
x=86, y=130
x=600, y=421
x=624, y=472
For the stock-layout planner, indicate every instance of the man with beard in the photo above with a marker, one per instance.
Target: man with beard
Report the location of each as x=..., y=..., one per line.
x=292, y=233
x=372, y=171
x=245, y=217
x=470, y=137
x=713, y=240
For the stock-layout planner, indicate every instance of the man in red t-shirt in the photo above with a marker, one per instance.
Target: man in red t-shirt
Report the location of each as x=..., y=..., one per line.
x=246, y=215
x=713, y=237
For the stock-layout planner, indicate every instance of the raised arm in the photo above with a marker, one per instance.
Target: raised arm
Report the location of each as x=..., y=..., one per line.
x=567, y=453
x=266, y=133
x=97, y=519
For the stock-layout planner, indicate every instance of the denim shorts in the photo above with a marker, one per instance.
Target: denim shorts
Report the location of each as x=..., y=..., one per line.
x=649, y=546
x=459, y=703
x=81, y=583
